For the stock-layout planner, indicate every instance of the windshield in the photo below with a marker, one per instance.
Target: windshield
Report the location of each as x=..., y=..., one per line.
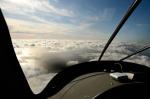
x=50, y=34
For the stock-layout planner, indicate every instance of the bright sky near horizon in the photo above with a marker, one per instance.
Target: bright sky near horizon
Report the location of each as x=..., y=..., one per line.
x=75, y=19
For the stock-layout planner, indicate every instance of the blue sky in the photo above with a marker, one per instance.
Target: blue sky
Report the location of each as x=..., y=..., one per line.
x=75, y=19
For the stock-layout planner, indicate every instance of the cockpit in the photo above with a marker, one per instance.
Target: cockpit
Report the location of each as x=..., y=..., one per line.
x=76, y=49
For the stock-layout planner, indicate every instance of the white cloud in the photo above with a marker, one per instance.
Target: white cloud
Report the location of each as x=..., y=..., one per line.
x=26, y=20
x=106, y=14
x=21, y=16
x=28, y=29
x=33, y=6
x=141, y=24
x=69, y=52
x=20, y=26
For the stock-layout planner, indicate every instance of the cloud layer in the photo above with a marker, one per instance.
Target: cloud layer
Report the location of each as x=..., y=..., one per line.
x=37, y=57
x=55, y=19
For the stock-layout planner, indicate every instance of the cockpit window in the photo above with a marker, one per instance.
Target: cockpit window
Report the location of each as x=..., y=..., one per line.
x=49, y=35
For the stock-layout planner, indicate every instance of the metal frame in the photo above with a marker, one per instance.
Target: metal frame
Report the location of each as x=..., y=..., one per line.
x=122, y=22
x=139, y=51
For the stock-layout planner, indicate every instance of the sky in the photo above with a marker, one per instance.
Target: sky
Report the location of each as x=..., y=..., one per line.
x=75, y=19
